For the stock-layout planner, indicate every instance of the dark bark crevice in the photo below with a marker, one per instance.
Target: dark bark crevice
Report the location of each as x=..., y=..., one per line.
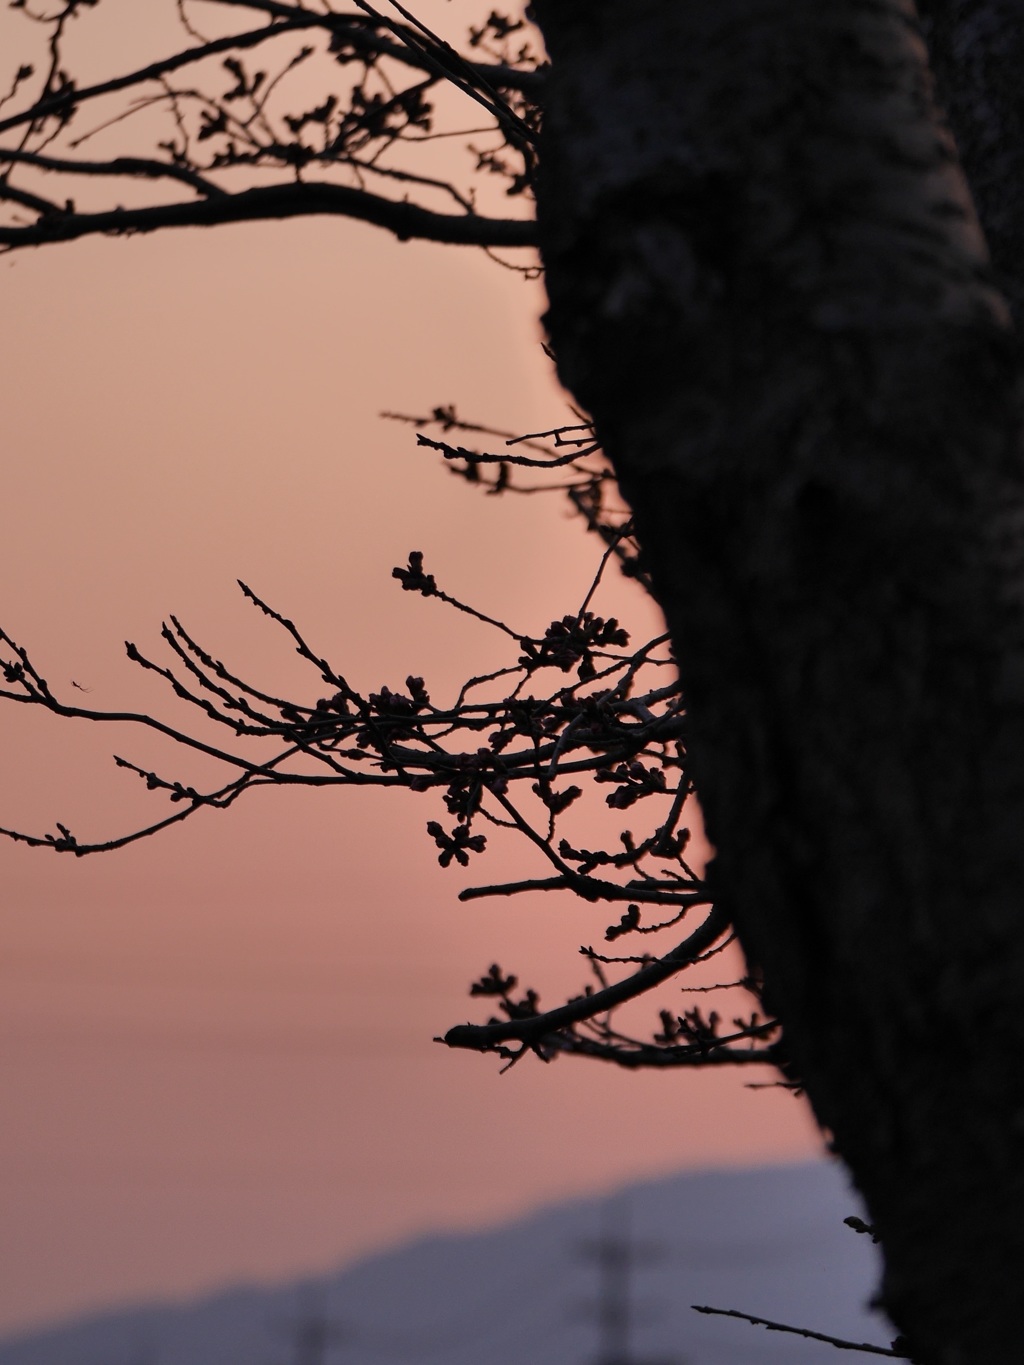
x=977, y=55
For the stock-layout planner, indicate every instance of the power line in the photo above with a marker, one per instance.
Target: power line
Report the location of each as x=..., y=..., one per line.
x=307, y=1043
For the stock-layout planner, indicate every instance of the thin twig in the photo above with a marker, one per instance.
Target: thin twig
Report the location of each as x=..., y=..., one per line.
x=839, y=1342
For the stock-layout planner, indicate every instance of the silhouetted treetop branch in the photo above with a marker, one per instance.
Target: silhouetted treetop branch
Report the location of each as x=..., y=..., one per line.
x=223, y=125
x=579, y=717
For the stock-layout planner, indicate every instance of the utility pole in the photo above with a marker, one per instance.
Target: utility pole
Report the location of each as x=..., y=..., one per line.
x=614, y=1257
x=617, y=1255
x=313, y=1334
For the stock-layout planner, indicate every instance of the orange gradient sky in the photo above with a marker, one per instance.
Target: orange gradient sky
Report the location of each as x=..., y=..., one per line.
x=215, y=1045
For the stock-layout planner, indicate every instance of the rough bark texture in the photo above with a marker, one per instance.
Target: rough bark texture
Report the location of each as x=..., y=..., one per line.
x=768, y=284
x=977, y=56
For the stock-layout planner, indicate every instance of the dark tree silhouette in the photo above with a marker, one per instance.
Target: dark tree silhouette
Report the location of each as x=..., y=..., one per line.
x=229, y=126
x=578, y=702
x=782, y=246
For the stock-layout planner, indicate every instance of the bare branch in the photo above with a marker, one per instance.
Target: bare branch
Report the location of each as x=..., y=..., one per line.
x=291, y=19
x=35, y=202
x=652, y=1057
x=298, y=200
x=442, y=60
x=66, y=100
x=530, y=1031
x=838, y=1342
x=496, y=74
x=481, y=457
x=133, y=166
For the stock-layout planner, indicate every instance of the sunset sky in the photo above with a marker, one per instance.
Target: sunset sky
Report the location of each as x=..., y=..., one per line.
x=215, y=1046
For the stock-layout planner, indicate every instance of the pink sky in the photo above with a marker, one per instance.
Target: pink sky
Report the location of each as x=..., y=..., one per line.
x=215, y=1046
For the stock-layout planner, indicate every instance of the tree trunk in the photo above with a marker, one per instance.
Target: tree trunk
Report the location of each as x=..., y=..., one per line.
x=768, y=285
